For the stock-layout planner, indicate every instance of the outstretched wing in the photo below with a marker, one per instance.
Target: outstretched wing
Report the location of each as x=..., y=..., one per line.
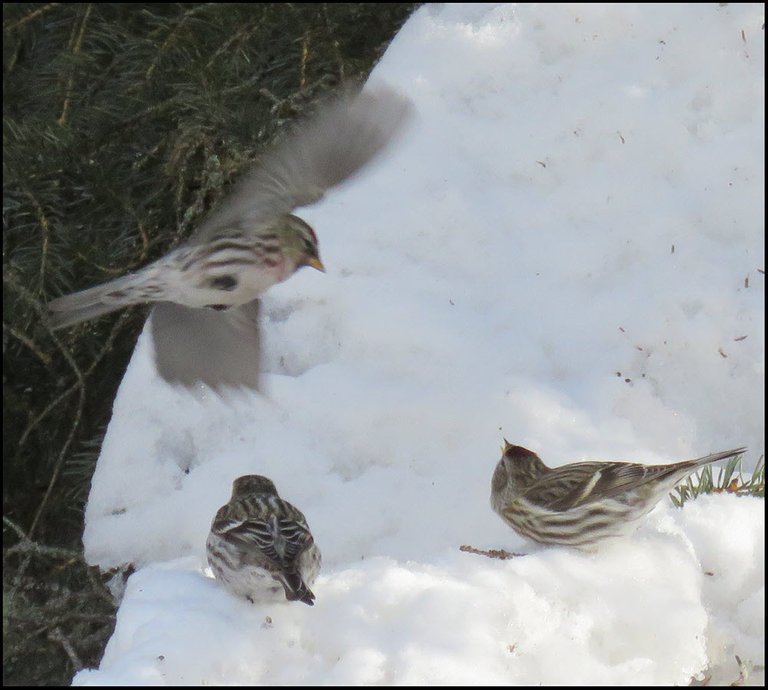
x=319, y=154
x=218, y=348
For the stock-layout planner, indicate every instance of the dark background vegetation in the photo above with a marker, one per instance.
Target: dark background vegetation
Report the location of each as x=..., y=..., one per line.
x=122, y=125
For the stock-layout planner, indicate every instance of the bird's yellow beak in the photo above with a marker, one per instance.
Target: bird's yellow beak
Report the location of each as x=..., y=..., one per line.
x=315, y=263
x=505, y=447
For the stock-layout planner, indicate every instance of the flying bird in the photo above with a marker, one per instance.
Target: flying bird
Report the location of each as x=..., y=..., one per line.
x=205, y=326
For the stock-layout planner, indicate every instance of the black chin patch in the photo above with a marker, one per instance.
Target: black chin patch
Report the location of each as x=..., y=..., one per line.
x=218, y=307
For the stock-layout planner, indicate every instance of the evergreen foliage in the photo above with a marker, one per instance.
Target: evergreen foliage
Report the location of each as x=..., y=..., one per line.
x=122, y=125
x=730, y=479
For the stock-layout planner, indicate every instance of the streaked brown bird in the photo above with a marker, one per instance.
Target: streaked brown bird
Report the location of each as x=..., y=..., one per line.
x=205, y=325
x=260, y=546
x=582, y=503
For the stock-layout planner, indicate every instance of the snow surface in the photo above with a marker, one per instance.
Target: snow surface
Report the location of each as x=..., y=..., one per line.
x=565, y=249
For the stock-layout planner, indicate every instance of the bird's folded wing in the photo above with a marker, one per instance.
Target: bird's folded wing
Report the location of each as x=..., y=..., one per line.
x=581, y=483
x=568, y=486
x=280, y=540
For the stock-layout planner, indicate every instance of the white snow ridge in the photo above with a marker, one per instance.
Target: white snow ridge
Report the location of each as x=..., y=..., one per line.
x=565, y=249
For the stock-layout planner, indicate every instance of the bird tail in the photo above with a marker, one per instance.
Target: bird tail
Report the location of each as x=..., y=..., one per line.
x=680, y=470
x=296, y=589
x=714, y=457
x=101, y=299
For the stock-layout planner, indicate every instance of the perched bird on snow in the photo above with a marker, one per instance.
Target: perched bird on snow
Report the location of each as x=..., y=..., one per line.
x=205, y=324
x=585, y=502
x=260, y=546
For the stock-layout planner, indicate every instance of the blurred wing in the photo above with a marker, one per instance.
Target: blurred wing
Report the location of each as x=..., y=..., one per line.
x=218, y=348
x=321, y=153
